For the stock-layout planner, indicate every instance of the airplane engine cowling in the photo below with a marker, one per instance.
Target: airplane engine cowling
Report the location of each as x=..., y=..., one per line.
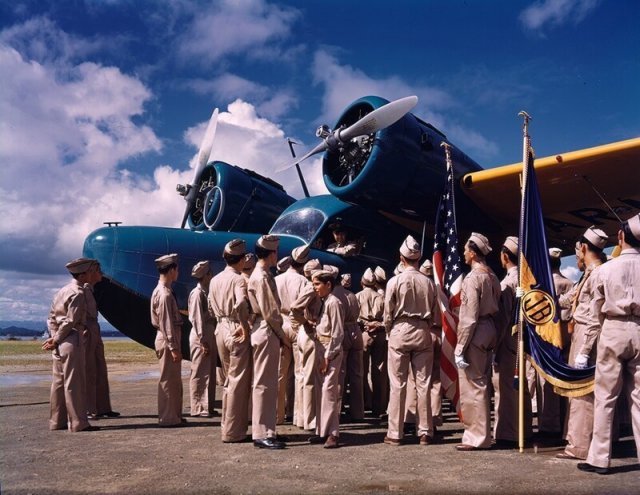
x=400, y=169
x=231, y=198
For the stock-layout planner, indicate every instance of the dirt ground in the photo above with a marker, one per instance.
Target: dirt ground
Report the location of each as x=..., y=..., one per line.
x=130, y=454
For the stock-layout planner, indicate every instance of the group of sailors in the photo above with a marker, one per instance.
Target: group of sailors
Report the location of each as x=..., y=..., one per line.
x=301, y=346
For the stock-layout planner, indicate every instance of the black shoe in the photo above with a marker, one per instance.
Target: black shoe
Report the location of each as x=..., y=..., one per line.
x=585, y=466
x=268, y=443
x=90, y=428
x=111, y=414
x=316, y=439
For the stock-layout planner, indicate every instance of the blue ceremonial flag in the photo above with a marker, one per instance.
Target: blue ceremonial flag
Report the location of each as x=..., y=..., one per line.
x=538, y=306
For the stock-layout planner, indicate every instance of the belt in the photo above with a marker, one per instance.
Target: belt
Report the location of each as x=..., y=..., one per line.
x=624, y=318
x=323, y=340
x=410, y=318
x=228, y=318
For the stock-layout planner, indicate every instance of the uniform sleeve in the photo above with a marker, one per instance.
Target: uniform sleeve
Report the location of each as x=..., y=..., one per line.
x=565, y=300
x=299, y=305
x=435, y=307
x=196, y=313
x=504, y=318
x=75, y=317
x=335, y=313
x=166, y=320
x=595, y=317
x=241, y=307
x=469, y=312
x=267, y=306
x=389, y=305
x=378, y=308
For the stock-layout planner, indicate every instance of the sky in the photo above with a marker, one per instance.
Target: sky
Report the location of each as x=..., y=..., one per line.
x=103, y=103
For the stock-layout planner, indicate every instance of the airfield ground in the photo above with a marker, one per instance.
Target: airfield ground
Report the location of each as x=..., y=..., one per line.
x=131, y=455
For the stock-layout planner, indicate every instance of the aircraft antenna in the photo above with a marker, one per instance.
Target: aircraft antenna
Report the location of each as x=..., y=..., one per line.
x=588, y=181
x=300, y=176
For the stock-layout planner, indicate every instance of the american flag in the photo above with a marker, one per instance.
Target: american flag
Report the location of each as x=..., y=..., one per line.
x=447, y=268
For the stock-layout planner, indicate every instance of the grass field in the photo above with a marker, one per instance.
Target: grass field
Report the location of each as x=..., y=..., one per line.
x=29, y=352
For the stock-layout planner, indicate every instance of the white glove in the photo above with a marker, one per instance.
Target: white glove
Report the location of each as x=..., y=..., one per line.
x=519, y=292
x=581, y=361
x=460, y=362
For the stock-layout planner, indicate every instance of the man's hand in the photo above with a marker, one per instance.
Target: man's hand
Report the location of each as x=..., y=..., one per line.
x=240, y=335
x=175, y=356
x=49, y=344
x=324, y=366
x=582, y=361
x=205, y=348
x=460, y=362
x=519, y=292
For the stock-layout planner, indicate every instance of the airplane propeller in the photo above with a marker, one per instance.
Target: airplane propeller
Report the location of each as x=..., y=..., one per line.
x=190, y=191
x=372, y=122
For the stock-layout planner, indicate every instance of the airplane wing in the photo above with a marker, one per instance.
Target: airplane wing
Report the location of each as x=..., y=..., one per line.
x=573, y=188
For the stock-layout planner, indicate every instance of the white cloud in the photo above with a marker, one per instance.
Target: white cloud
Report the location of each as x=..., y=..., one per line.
x=555, y=13
x=571, y=272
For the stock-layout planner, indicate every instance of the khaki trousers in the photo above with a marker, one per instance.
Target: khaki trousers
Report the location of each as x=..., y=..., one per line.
x=266, y=361
x=351, y=369
x=237, y=385
x=68, y=397
x=222, y=358
x=328, y=394
x=474, y=386
x=410, y=345
x=618, y=354
x=169, y=388
x=376, y=375
x=307, y=348
x=202, y=382
x=97, y=380
x=287, y=364
x=436, y=386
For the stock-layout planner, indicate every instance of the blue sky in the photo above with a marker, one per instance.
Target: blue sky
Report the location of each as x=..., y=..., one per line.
x=103, y=103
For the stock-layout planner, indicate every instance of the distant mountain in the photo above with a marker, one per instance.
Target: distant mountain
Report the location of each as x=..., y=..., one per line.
x=37, y=328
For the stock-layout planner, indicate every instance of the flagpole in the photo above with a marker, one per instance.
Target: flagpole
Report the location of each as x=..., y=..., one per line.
x=526, y=144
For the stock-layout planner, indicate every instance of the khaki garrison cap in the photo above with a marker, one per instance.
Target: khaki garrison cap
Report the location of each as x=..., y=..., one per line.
x=80, y=265
x=482, y=242
x=166, y=260
x=345, y=280
x=511, y=243
x=634, y=226
x=398, y=269
x=555, y=252
x=300, y=254
x=427, y=267
x=596, y=237
x=334, y=270
x=200, y=269
x=268, y=242
x=236, y=247
x=284, y=264
x=249, y=261
x=380, y=274
x=368, y=278
x=311, y=266
x=410, y=248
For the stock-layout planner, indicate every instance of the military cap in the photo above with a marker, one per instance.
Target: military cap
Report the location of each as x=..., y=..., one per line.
x=268, y=242
x=398, y=269
x=236, y=247
x=284, y=264
x=380, y=274
x=301, y=254
x=80, y=265
x=200, y=269
x=311, y=266
x=511, y=243
x=634, y=226
x=321, y=271
x=345, y=280
x=555, y=252
x=596, y=237
x=368, y=278
x=249, y=261
x=166, y=260
x=427, y=267
x=337, y=226
x=481, y=242
x=410, y=248
x=334, y=270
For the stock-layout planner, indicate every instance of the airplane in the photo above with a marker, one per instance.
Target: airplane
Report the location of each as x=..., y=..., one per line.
x=385, y=171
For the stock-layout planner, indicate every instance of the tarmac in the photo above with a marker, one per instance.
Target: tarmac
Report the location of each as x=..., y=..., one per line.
x=132, y=455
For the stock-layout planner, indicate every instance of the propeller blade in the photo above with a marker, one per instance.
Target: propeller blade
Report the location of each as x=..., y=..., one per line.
x=380, y=118
x=318, y=149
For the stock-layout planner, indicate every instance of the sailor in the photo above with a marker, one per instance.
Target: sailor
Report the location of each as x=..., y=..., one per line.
x=283, y=265
x=375, y=345
x=329, y=334
x=228, y=302
x=266, y=338
x=304, y=313
x=202, y=384
x=589, y=258
x=342, y=245
x=166, y=319
x=352, y=369
x=97, y=378
x=290, y=285
x=381, y=279
x=505, y=429
x=408, y=315
x=614, y=321
x=477, y=337
x=66, y=325
x=249, y=265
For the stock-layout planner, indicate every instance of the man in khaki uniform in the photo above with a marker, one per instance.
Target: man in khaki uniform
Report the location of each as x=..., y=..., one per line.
x=505, y=429
x=409, y=305
x=266, y=338
x=589, y=257
x=228, y=302
x=290, y=285
x=615, y=322
x=477, y=337
x=342, y=245
x=304, y=313
x=66, y=325
x=97, y=378
x=202, y=384
x=375, y=345
x=166, y=319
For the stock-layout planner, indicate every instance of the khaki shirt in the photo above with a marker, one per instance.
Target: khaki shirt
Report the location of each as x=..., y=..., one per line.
x=349, y=303
x=68, y=311
x=92, y=310
x=480, y=298
x=202, y=322
x=290, y=285
x=562, y=285
x=371, y=305
x=306, y=309
x=228, y=297
x=166, y=318
x=583, y=291
x=347, y=249
x=409, y=295
x=615, y=294
x=264, y=300
x=330, y=329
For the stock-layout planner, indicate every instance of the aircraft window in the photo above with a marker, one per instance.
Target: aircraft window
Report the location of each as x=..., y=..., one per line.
x=302, y=223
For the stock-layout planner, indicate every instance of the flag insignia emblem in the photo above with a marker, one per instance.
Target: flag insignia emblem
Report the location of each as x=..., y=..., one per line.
x=538, y=307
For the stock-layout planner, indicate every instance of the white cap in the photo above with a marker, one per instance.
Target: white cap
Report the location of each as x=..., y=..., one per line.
x=634, y=226
x=200, y=269
x=301, y=254
x=427, y=267
x=511, y=243
x=380, y=274
x=481, y=242
x=236, y=247
x=410, y=248
x=597, y=237
x=269, y=242
x=368, y=278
